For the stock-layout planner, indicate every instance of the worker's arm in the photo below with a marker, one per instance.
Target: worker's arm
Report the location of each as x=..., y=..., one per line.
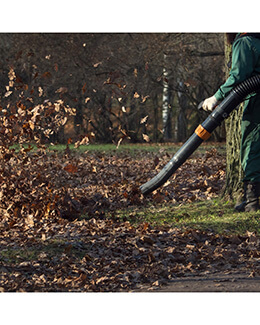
x=244, y=60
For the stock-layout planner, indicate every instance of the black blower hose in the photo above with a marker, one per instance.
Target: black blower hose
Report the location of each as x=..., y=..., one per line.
x=203, y=131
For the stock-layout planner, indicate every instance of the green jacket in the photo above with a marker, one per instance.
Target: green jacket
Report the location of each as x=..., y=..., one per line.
x=245, y=63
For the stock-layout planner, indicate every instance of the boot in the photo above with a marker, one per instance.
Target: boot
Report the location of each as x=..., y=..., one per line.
x=250, y=201
x=241, y=207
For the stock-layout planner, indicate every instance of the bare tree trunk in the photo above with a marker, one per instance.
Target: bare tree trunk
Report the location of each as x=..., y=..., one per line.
x=180, y=123
x=234, y=173
x=155, y=113
x=166, y=111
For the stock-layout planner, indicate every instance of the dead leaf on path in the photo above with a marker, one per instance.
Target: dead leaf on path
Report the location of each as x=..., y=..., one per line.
x=71, y=168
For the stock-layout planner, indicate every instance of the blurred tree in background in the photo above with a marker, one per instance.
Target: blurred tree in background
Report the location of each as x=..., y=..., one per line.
x=127, y=86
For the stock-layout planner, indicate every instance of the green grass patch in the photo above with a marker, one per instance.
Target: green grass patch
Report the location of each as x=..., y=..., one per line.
x=43, y=250
x=18, y=254
x=130, y=149
x=215, y=215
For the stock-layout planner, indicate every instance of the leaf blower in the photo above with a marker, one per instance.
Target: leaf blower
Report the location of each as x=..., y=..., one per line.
x=203, y=131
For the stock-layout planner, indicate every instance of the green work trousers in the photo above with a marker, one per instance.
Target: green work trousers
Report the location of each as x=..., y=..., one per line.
x=250, y=139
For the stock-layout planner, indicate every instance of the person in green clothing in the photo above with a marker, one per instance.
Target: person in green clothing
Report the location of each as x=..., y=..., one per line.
x=245, y=63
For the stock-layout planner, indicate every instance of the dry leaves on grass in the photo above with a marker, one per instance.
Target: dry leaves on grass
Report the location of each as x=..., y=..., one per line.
x=44, y=247
x=68, y=184
x=102, y=255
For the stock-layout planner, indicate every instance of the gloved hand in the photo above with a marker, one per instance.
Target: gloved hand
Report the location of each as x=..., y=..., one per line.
x=210, y=103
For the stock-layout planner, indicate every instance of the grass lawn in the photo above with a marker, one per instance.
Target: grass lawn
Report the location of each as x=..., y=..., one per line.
x=214, y=215
x=131, y=149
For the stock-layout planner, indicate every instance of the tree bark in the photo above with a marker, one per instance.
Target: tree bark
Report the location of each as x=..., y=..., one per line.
x=234, y=173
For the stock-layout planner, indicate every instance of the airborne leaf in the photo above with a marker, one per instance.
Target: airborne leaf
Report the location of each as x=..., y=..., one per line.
x=8, y=93
x=144, y=119
x=146, y=137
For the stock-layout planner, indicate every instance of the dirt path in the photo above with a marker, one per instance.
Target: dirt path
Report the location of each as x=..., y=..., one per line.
x=238, y=281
